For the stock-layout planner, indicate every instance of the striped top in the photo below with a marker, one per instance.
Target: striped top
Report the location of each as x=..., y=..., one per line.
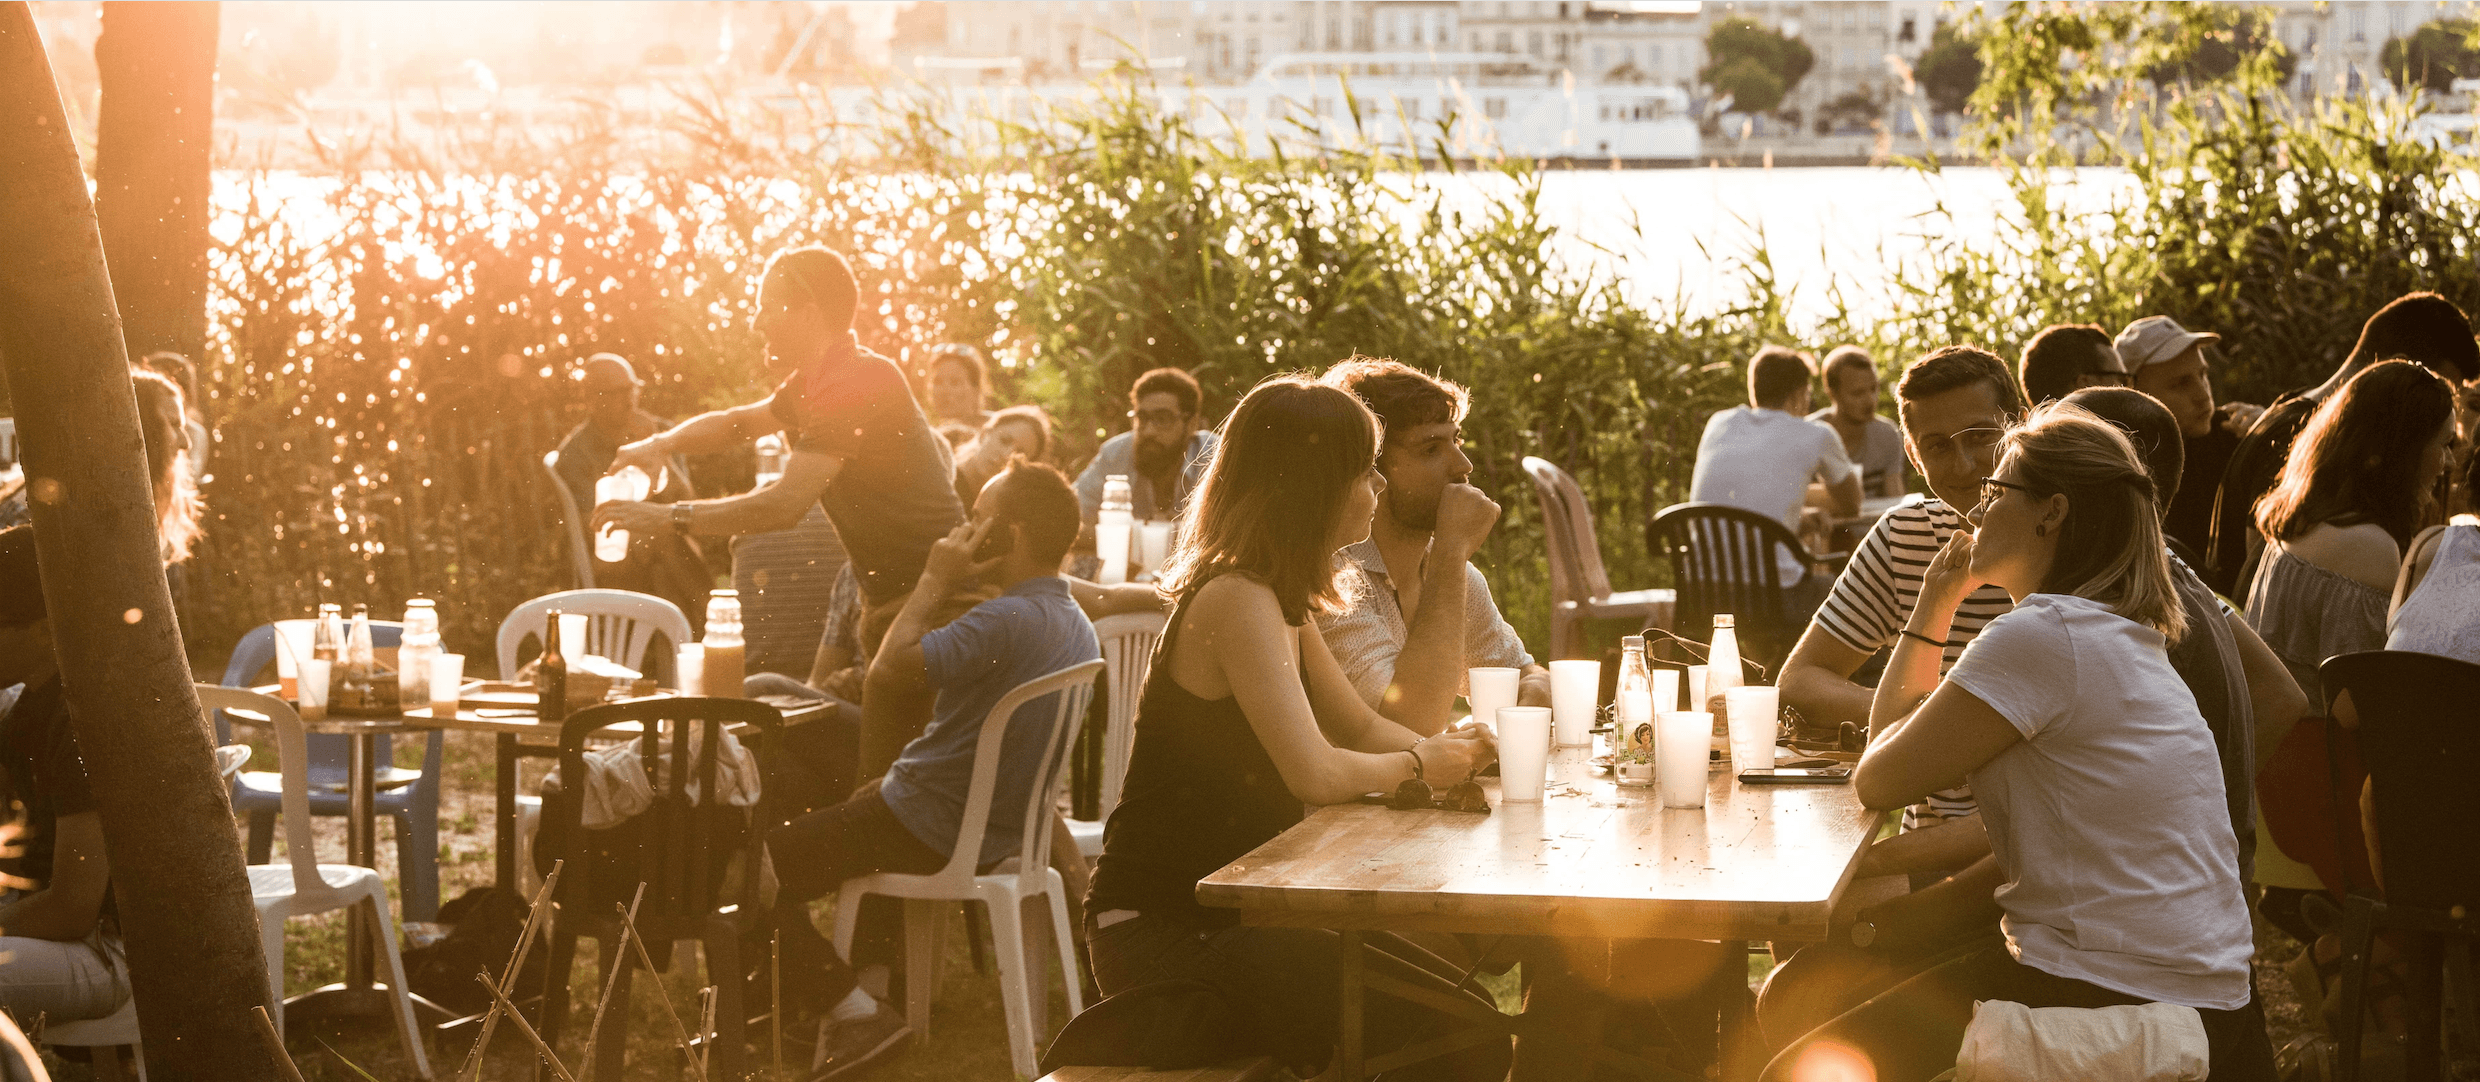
x=1874, y=596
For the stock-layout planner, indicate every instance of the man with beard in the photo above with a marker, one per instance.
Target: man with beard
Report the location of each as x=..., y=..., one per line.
x=659, y=563
x=1163, y=454
x=1405, y=640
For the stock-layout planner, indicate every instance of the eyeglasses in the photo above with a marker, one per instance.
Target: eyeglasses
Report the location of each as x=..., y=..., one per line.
x=1157, y=417
x=1993, y=490
x=1971, y=443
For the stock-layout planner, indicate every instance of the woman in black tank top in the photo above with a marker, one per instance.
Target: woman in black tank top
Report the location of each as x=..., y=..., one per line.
x=1246, y=718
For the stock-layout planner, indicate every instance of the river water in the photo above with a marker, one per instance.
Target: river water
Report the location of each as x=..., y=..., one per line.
x=1674, y=239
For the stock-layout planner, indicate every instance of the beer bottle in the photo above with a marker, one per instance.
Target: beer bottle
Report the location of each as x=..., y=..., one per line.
x=551, y=674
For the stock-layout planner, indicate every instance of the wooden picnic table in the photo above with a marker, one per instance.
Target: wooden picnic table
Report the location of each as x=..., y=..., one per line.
x=1592, y=860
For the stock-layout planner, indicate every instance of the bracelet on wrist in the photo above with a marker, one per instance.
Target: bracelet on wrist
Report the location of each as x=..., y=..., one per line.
x=1939, y=643
x=1418, y=772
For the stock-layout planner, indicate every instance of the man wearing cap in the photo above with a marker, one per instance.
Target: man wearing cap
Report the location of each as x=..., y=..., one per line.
x=659, y=562
x=2168, y=363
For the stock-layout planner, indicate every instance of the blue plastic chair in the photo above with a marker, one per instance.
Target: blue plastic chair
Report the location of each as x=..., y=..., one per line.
x=411, y=797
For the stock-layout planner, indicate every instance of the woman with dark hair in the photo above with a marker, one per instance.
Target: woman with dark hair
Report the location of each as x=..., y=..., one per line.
x=1246, y=717
x=959, y=393
x=2096, y=775
x=2359, y=486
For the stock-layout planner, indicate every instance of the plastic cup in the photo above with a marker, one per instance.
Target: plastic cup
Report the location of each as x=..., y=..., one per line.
x=689, y=669
x=1696, y=687
x=292, y=645
x=572, y=636
x=1680, y=740
x=1153, y=546
x=1523, y=752
x=1665, y=690
x=1753, y=716
x=447, y=681
x=314, y=673
x=1574, y=687
x=1487, y=689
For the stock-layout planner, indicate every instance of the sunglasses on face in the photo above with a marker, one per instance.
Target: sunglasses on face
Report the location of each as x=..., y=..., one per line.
x=1971, y=442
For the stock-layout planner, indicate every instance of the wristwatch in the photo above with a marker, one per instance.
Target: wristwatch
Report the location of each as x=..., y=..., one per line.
x=1864, y=933
x=681, y=514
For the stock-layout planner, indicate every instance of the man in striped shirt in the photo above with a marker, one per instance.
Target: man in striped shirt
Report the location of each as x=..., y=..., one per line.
x=1953, y=404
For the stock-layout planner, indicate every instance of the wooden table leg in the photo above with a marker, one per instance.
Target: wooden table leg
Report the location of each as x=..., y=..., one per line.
x=1737, y=1041
x=504, y=845
x=1348, y=1050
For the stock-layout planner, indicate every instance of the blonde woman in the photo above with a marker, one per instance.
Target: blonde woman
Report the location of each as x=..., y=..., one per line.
x=2096, y=774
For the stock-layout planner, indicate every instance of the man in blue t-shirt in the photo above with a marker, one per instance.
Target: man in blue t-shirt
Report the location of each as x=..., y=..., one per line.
x=908, y=820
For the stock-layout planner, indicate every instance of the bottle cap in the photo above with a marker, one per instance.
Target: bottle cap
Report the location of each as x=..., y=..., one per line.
x=725, y=593
x=1632, y=642
x=1723, y=619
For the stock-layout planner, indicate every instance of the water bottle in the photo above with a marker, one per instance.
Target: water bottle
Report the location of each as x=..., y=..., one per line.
x=1113, y=524
x=415, y=651
x=1721, y=675
x=611, y=543
x=726, y=651
x=771, y=456
x=350, y=686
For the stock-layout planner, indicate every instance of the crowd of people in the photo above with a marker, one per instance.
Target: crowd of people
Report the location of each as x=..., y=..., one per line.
x=2071, y=653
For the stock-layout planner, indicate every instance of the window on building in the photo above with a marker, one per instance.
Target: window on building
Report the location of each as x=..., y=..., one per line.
x=1532, y=43
x=1851, y=17
x=1506, y=41
x=1877, y=17
x=1905, y=33
x=1334, y=34
x=2359, y=24
x=1494, y=108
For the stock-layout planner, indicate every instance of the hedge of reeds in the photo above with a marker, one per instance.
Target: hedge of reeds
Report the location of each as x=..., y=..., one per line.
x=394, y=339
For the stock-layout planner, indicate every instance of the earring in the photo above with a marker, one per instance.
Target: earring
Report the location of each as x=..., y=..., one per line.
x=2040, y=531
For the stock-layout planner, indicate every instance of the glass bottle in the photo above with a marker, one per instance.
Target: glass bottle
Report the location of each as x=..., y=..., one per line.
x=414, y=652
x=352, y=690
x=1114, y=521
x=1635, y=691
x=1722, y=673
x=551, y=674
x=327, y=634
x=726, y=651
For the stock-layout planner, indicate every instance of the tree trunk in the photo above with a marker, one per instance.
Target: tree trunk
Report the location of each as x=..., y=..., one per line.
x=185, y=911
x=153, y=178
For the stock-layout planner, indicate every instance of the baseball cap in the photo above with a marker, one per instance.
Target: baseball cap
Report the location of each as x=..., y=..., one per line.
x=2155, y=339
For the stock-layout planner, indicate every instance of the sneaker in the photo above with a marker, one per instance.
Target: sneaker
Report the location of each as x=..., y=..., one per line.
x=845, y=1049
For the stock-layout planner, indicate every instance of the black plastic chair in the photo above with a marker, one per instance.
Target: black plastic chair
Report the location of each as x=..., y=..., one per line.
x=678, y=848
x=2419, y=733
x=1723, y=560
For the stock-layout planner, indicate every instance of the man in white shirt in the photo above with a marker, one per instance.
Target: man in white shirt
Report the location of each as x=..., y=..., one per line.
x=1417, y=612
x=1761, y=456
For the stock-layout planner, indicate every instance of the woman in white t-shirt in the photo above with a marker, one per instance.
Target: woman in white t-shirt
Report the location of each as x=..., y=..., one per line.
x=2096, y=775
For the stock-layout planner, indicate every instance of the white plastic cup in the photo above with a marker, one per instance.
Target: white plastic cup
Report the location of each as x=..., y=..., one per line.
x=572, y=637
x=1665, y=690
x=447, y=683
x=1523, y=752
x=1574, y=687
x=1696, y=687
x=1489, y=688
x=689, y=669
x=1753, y=714
x=1680, y=740
x=1153, y=546
x=611, y=544
x=314, y=673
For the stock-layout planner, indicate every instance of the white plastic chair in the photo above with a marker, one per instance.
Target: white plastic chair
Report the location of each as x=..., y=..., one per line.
x=572, y=523
x=1026, y=877
x=1128, y=642
x=304, y=887
x=619, y=624
x=106, y=1035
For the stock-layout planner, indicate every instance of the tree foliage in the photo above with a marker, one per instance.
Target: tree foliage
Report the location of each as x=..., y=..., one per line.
x=2280, y=224
x=1756, y=65
x=2435, y=55
x=1950, y=70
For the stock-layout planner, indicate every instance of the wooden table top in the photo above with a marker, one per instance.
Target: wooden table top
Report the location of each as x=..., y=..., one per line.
x=495, y=718
x=1592, y=859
